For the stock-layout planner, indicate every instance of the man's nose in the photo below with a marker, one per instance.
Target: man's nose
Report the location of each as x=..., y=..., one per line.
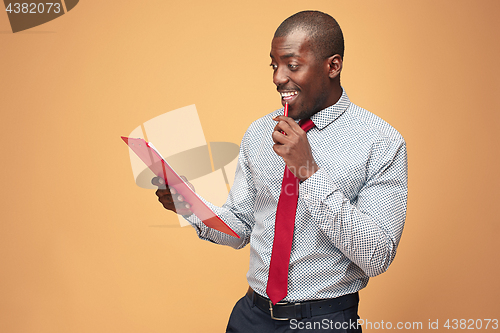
x=280, y=77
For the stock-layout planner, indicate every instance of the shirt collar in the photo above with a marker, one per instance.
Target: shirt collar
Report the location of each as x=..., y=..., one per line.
x=324, y=117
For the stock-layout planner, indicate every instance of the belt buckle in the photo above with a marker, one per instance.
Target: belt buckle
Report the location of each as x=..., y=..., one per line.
x=271, y=310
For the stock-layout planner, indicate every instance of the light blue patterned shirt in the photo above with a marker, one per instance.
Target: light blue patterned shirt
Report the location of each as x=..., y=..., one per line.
x=350, y=213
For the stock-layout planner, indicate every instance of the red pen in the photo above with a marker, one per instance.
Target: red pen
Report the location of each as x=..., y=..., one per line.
x=285, y=114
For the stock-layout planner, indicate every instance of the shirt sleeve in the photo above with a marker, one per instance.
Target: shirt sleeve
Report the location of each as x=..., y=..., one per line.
x=237, y=212
x=368, y=230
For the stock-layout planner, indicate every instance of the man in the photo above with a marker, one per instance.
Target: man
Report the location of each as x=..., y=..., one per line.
x=351, y=175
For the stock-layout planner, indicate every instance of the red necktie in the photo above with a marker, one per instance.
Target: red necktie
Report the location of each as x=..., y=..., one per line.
x=277, y=282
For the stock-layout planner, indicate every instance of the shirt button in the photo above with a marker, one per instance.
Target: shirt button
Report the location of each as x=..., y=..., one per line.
x=306, y=196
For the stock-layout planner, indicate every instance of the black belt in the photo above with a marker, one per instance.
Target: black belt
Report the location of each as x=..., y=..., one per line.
x=308, y=309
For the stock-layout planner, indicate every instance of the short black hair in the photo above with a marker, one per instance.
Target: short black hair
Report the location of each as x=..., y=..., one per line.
x=324, y=31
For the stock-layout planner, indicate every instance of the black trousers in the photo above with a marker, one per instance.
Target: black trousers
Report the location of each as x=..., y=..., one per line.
x=247, y=318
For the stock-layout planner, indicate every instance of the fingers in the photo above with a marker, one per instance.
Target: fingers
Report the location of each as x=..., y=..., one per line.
x=286, y=126
x=173, y=201
x=188, y=183
x=158, y=181
x=280, y=133
x=170, y=198
x=169, y=195
x=287, y=120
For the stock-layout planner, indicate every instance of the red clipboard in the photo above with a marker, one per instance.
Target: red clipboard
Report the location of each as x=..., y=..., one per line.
x=156, y=163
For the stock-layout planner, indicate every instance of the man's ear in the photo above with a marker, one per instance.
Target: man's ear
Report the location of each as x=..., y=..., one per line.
x=335, y=66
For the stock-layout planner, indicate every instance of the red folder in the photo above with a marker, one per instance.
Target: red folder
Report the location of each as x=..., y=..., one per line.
x=148, y=154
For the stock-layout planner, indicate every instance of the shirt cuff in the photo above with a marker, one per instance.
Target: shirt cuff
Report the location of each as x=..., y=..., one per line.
x=315, y=189
x=195, y=222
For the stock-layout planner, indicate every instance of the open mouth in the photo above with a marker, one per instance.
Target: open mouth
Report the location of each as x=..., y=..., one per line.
x=288, y=96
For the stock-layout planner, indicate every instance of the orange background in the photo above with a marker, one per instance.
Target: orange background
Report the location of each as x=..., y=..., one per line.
x=83, y=249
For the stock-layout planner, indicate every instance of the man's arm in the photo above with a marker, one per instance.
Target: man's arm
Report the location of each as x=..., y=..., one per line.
x=237, y=212
x=369, y=231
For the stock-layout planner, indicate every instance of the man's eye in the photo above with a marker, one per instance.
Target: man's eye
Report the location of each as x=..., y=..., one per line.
x=273, y=66
x=292, y=67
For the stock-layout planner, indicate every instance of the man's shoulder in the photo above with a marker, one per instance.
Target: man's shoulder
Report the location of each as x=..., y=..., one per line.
x=370, y=121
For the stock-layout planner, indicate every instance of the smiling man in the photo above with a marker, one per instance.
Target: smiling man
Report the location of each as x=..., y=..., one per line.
x=321, y=201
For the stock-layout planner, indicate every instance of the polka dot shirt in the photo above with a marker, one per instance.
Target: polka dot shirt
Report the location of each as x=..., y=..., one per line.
x=350, y=213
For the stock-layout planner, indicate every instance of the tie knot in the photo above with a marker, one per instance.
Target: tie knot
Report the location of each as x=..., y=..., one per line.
x=306, y=124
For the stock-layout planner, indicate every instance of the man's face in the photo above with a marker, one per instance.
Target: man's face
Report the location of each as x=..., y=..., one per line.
x=300, y=77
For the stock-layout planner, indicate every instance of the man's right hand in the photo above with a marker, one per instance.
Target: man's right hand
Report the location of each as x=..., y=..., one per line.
x=169, y=197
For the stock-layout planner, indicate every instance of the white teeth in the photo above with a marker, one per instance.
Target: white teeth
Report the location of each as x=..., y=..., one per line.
x=287, y=94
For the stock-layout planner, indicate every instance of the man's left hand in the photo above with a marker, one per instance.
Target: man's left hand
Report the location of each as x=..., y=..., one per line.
x=290, y=142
